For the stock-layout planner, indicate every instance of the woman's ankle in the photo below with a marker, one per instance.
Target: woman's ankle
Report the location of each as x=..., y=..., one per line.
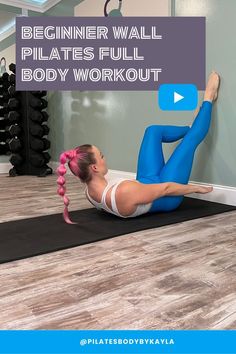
x=209, y=97
x=207, y=101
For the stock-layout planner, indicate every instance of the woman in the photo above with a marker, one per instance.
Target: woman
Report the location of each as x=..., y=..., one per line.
x=159, y=186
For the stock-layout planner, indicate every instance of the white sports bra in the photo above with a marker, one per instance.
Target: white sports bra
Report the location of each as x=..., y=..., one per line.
x=141, y=209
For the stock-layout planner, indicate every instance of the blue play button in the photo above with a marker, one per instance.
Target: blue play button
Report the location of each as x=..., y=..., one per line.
x=177, y=97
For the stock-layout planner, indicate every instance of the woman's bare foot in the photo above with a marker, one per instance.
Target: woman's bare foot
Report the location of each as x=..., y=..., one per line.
x=212, y=87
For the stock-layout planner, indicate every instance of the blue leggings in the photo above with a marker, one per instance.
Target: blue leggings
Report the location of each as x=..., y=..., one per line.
x=151, y=165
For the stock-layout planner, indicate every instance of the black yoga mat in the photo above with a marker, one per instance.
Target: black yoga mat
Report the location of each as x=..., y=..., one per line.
x=30, y=237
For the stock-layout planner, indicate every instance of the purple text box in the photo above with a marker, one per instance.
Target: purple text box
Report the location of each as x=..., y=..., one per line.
x=153, y=51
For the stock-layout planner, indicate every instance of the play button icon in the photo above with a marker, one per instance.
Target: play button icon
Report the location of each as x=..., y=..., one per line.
x=177, y=97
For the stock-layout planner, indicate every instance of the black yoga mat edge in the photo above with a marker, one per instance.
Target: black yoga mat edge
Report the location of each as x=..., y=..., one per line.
x=102, y=219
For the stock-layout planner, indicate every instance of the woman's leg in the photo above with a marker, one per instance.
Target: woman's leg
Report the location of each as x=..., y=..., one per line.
x=151, y=159
x=179, y=166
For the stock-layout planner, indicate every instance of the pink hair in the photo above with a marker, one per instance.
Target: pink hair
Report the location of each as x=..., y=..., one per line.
x=73, y=156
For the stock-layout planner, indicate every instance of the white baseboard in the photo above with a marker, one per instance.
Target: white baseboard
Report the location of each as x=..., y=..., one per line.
x=220, y=194
x=6, y=166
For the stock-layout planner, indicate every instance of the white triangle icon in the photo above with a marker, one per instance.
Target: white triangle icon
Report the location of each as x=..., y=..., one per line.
x=177, y=97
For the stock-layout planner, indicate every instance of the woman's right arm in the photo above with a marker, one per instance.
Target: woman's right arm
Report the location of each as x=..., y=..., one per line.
x=182, y=189
x=141, y=193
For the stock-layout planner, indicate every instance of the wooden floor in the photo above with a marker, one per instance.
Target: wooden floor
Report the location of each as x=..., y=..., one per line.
x=182, y=276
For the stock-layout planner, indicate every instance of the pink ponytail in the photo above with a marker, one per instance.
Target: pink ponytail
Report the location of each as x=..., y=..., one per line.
x=79, y=160
x=61, y=171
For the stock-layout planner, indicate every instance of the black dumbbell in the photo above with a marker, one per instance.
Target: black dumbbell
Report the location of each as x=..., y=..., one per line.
x=12, y=91
x=45, y=116
x=13, y=172
x=13, y=117
x=4, y=96
x=14, y=144
x=46, y=156
x=16, y=159
x=4, y=135
x=46, y=171
x=40, y=144
x=13, y=103
x=4, y=86
x=12, y=79
x=38, y=103
x=5, y=76
x=3, y=110
x=36, y=159
x=39, y=93
x=13, y=130
x=2, y=101
x=3, y=123
x=38, y=117
x=39, y=130
x=4, y=149
x=12, y=67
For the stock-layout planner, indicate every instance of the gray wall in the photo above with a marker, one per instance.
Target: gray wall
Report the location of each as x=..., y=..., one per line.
x=215, y=161
x=115, y=121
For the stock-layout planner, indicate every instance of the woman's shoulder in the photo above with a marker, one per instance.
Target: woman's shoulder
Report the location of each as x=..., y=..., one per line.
x=127, y=185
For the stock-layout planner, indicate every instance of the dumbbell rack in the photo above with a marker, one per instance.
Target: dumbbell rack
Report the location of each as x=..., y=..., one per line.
x=4, y=85
x=27, y=144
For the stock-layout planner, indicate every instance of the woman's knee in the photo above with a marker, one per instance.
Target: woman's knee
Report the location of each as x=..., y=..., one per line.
x=152, y=128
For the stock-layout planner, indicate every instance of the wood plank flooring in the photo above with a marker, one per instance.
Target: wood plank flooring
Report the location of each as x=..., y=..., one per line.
x=180, y=276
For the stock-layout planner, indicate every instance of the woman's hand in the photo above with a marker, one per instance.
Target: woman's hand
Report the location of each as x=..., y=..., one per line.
x=203, y=190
